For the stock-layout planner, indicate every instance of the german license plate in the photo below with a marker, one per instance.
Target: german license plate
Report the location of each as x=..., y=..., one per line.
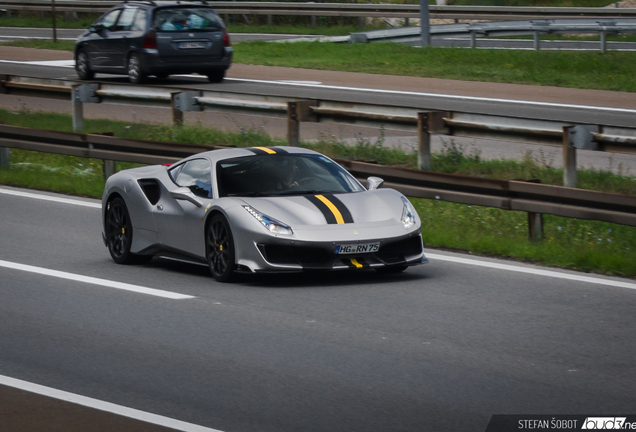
x=191, y=45
x=357, y=248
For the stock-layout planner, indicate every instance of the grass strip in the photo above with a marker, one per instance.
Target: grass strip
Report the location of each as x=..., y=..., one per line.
x=574, y=69
x=569, y=243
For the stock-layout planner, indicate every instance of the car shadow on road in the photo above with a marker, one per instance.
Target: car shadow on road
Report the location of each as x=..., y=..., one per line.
x=295, y=280
x=328, y=279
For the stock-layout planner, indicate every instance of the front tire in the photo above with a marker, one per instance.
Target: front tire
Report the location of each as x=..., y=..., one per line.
x=135, y=73
x=82, y=67
x=219, y=247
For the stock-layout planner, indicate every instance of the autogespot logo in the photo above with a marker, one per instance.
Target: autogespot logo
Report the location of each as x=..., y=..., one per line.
x=607, y=423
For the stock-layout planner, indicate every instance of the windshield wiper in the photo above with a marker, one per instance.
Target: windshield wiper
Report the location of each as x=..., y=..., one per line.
x=307, y=192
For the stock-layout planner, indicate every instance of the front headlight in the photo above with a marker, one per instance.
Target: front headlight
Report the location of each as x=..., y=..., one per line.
x=408, y=214
x=271, y=224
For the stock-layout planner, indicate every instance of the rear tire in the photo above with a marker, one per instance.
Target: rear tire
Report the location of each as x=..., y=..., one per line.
x=219, y=249
x=119, y=234
x=82, y=67
x=135, y=73
x=216, y=76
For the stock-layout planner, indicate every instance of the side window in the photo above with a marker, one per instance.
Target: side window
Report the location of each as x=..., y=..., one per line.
x=126, y=19
x=196, y=175
x=108, y=20
x=140, y=21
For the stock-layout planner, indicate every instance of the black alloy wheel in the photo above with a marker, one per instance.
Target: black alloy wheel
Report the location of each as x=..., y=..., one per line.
x=135, y=73
x=119, y=232
x=82, y=67
x=219, y=246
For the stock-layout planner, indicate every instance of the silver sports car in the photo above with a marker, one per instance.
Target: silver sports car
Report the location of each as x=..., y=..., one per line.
x=260, y=209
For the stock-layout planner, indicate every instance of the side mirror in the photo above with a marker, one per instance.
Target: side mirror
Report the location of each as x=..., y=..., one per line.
x=96, y=28
x=185, y=194
x=374, y=182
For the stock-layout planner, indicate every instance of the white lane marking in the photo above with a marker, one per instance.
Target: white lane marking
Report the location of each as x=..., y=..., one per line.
x=34, y=37
x=533, y=271
x=410, y=93
x=51, y=198
x=104, y=406
x=300, y=82
x=95, y=281
x=54, y=63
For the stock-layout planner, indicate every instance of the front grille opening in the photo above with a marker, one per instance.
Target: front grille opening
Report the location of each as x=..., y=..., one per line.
x=296, y=255
x=398, y=251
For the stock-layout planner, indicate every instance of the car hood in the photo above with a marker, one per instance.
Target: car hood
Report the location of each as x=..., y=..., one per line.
x=380, y=205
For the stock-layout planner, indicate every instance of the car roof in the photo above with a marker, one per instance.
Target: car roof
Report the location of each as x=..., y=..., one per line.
x=222, y=154
x=164, y=3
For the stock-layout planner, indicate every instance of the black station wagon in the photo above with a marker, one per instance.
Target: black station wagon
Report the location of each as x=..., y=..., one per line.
x=157, y=38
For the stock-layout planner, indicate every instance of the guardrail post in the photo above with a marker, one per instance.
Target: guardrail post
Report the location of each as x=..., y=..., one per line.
x=293, y=125
x=536, y=41
x=177, y=113
x=425, y=24
x=604, y=34
x=269, y=20
x=569, y=159
x=109, y=168
x=4, y=157
x=313, y=21
x=181, y=102
x=429, y=123
x=423, y=142
x=77, y=109
x=535, y=226
x=81, y=94
x=538, y=27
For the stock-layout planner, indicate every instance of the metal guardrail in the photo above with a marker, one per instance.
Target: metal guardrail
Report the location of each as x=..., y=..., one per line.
x=361, y=10
x=535, y=199
x=505, y=28
x=425, y=124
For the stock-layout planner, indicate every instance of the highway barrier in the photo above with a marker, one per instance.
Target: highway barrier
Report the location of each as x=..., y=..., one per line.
x=360, y=10
x=533, y=198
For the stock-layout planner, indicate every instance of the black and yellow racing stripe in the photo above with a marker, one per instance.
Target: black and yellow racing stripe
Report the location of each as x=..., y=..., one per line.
x=332, y=208
x=266, y=150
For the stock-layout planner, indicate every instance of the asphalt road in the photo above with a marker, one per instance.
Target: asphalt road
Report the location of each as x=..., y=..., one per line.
x=440, y=347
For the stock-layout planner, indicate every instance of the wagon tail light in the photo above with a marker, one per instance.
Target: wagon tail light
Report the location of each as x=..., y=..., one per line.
x=151, y=40
x=226, y=39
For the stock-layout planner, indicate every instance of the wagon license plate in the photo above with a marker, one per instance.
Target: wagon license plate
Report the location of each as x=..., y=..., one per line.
x=357, y=248
x=191, y=45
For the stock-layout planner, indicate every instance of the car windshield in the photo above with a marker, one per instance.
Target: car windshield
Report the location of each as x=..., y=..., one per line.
x=187, y=19
x=282, y=174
